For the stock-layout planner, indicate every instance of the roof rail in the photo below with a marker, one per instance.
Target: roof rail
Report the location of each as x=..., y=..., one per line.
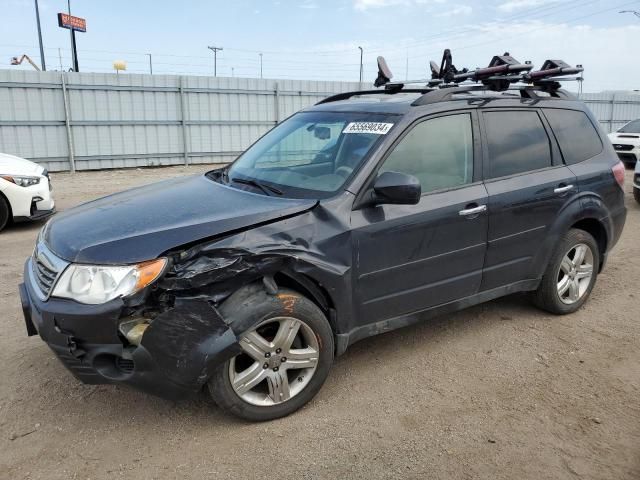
x=386, y=91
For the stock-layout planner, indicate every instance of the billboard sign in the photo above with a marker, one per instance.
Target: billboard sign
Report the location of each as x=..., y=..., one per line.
x=72, y=23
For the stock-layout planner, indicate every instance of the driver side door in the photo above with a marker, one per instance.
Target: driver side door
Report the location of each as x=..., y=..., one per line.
x=409, y=258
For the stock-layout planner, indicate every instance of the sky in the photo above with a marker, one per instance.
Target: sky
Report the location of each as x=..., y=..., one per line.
x=319, y=39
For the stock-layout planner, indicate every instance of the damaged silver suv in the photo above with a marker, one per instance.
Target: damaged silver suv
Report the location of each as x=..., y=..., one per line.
x=367, y=212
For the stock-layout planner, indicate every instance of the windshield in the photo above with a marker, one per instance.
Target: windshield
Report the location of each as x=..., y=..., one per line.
x=310, y=155
x=631, y=127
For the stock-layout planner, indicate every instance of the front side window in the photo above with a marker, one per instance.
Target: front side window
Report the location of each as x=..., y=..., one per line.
x=439, y=152
x=517, y=143
x=311, y=154
x=578, y=138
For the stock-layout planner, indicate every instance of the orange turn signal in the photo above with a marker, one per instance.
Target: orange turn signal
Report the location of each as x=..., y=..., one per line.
x=148, y=272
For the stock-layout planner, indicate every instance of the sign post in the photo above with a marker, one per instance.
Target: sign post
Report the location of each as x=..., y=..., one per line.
x=74, y=24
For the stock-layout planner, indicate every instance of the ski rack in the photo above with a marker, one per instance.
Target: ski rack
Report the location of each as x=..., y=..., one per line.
x=503, y=73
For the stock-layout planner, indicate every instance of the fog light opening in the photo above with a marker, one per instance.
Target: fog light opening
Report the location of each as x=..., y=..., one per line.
x=113, y=367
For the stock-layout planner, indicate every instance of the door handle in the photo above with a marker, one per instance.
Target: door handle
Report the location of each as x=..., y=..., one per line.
x=563, y=189
x=473, y=211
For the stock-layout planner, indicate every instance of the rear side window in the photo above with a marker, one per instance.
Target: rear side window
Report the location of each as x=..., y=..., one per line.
x=578, y=138
x=517, y=143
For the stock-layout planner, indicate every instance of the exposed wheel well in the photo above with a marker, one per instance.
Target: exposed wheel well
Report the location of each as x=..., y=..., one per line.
x=312, y=290
x=597, y=231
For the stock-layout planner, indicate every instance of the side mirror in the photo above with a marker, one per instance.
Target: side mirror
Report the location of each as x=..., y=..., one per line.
x=397, y=188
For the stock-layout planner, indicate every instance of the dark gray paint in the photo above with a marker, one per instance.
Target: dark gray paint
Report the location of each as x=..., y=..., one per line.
x=370, y=267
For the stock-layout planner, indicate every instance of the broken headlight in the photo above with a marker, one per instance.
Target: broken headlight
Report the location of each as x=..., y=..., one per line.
x=95, y=284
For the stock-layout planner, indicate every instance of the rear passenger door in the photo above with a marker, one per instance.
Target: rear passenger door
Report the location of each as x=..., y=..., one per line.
x=527, y=184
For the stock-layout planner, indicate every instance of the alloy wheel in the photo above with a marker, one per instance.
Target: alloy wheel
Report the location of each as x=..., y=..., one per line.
x=575, y=273
x=279, y=357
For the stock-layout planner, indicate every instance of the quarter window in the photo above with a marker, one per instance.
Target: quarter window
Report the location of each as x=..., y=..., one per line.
x=439, y=152
x=517, y=143
x=578, y=138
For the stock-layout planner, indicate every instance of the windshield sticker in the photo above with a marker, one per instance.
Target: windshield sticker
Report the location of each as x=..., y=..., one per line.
x=368, y=127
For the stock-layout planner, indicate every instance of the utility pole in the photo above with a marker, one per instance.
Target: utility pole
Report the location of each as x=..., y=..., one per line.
x=150, y=63
x=361, y=53
x=215, y=51
x=406, y=67
x=60, y=59
x=232, y=72
x=44, y=67
x=260, y=65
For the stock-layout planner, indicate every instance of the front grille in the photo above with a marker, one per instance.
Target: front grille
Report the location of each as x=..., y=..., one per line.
x=627, y=157
x=622, y=148
x=45, y=277
x=46, y=267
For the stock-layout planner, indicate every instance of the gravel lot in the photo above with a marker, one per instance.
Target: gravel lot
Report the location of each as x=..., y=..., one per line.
x=499, y=391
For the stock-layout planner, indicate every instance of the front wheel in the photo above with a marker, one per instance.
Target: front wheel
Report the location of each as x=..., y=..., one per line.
x=4, y=213
x=570, y=275
x=636, y=194
x=285, y=359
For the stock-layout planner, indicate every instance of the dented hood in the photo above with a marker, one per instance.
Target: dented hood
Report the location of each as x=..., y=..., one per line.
x=142, y=223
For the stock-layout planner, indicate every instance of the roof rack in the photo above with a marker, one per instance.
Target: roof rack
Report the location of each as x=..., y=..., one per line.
x=503, y=73
x=526, y=91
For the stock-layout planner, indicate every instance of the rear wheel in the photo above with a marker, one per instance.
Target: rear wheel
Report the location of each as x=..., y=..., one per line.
x=5, y=213
x=285, y=359
x=570, y=275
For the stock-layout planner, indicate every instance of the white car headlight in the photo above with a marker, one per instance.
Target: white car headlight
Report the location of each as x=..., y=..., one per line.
x=95, y=284
x=21, y=181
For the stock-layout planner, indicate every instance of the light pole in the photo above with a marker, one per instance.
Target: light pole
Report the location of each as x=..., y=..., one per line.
x=260, y=65
x=635, y=12
x=44, y=67
x=150, y=63
x=361, y=53
x=215, y=51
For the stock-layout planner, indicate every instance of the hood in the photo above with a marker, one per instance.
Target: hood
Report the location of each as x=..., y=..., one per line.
x=142, y=223
x=10, y=165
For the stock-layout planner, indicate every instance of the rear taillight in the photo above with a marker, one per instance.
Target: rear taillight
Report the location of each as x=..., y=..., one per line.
x=618, y=172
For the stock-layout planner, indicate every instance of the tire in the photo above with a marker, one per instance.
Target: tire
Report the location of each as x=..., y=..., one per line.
x=5, y=213
x=258, y=318
x=551, y=294
x=636, y=194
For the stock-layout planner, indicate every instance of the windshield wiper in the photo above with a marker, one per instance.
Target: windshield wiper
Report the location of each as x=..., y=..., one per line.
x=267, y=189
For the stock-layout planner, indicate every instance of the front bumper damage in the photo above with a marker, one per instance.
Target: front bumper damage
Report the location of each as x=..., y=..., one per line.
x=178, y=352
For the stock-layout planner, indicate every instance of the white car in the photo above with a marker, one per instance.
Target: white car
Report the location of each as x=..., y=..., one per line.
x=25, y=191
x=626, y=142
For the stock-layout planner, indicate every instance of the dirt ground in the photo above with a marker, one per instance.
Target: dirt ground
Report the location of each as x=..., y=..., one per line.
x=499, y=391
